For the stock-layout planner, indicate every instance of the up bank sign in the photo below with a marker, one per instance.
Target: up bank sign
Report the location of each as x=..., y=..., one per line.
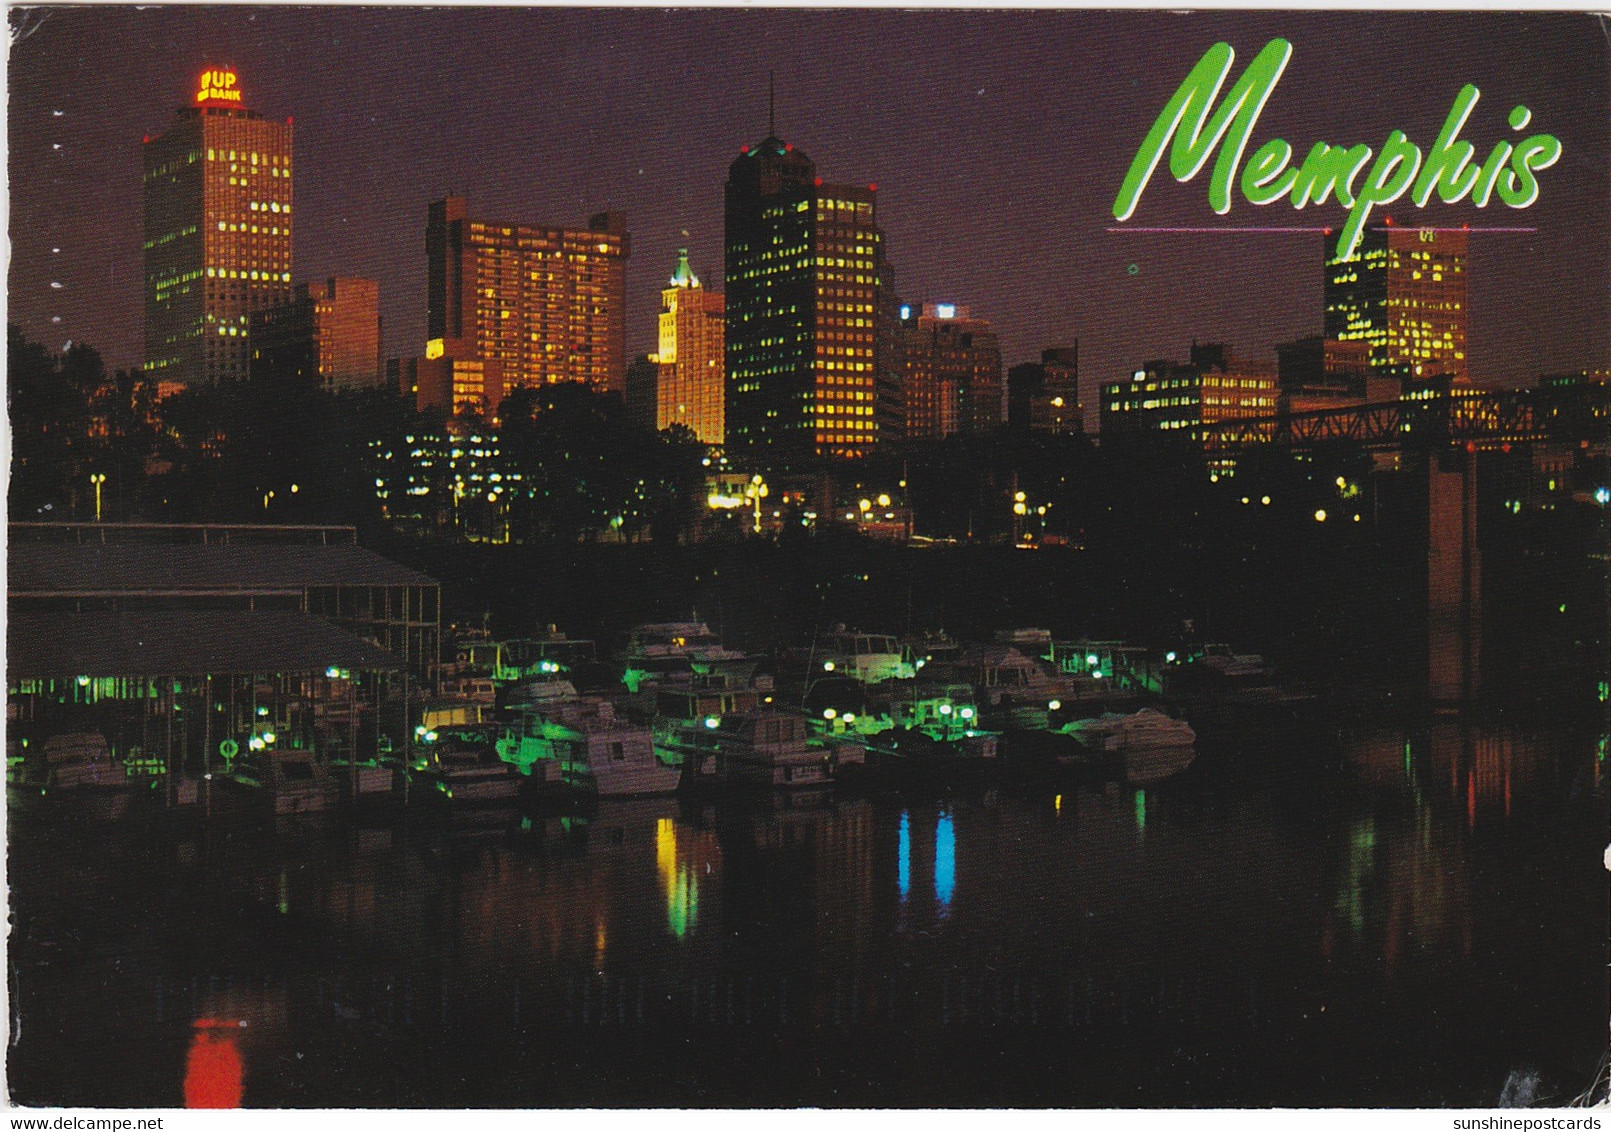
x=1327, y=170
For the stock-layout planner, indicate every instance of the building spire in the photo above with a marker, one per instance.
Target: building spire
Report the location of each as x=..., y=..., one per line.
x=771, y=104
x=684, y=275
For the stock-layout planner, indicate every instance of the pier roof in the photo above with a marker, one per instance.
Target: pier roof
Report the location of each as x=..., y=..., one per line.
x=61, y=569
x=181, y=643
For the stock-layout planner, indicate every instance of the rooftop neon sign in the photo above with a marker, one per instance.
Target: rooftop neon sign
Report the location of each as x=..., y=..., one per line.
x=217, y=86
x=1327, y=170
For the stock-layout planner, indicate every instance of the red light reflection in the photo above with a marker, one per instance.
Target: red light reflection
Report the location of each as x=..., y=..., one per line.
x=213, y=1068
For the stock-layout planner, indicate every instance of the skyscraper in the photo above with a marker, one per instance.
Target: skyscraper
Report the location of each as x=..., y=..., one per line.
x=952, y=379
x=802, y=282
x=217, y=233
x=329, y=333
x=1404, y=293
x=691, y=389
x=547, y=304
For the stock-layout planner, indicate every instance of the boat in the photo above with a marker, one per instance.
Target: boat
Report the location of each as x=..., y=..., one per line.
x=590, y=749
x=552, y=653
x=909, y=756
x=1010, y=689
x=672, y=651
x=1214, y=680
x=462, y=765
x=1148, y=727
x=870, y=658
x=81, y=761
x=772, y=749
x=527, y=663
x=365, y=779
x=291, y=781
x=1146, y=765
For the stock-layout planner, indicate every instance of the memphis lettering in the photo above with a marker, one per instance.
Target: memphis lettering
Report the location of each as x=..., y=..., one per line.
x=1328, y=170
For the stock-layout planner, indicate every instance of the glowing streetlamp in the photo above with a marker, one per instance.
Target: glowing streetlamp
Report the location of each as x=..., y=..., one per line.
x=98, y=478
x=756, y=491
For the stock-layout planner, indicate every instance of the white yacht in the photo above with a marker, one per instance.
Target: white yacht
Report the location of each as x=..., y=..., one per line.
x=870, y=658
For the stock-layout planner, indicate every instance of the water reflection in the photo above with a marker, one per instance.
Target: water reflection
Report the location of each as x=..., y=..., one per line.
x=1174, y=943
x=945, y=862
x=213, y=1066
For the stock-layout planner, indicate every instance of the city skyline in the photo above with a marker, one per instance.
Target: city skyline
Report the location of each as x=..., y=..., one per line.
x=997, y=146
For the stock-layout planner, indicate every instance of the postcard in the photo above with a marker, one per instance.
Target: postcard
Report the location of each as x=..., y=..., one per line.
x=839, y=559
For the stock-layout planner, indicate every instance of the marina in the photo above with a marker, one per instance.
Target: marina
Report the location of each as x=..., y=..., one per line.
x=1400, y=915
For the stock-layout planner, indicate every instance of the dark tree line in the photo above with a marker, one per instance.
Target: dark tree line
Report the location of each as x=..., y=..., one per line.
x=280, y=451
x=586, y=470
x=71, y=421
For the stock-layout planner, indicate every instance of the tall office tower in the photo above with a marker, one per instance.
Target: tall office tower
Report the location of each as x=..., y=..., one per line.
x=950, y=357
x=217, y=233
x=692, y=388
x=1404, y=293
x=545, y=304
x=329, y=333
x=802, y=289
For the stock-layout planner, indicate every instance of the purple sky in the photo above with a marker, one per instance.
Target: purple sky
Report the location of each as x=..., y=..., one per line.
x=998, y=142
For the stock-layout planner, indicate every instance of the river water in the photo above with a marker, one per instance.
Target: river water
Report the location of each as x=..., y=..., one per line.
x=1339, y=915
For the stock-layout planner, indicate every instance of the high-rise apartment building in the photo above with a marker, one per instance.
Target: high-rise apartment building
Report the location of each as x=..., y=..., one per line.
x=544, y=304
x=1404, y=293
x=802, y=282
x=329, y=333
x=691, y=390
x=952, y=372
x=217, y=233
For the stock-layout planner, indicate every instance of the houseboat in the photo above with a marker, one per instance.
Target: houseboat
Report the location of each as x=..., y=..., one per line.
x=772, y=749
x=592, y=750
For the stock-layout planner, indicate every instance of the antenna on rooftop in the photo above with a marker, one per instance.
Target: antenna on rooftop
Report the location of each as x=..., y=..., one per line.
x=771, y=104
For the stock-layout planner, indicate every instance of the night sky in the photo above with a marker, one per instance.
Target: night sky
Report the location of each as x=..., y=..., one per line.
x=997, y=140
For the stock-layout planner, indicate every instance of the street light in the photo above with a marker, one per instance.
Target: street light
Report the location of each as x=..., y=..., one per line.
x=756, y=491
x=98, y=478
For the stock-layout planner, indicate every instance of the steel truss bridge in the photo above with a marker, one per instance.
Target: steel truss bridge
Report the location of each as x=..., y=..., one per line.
x=1575, y=415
